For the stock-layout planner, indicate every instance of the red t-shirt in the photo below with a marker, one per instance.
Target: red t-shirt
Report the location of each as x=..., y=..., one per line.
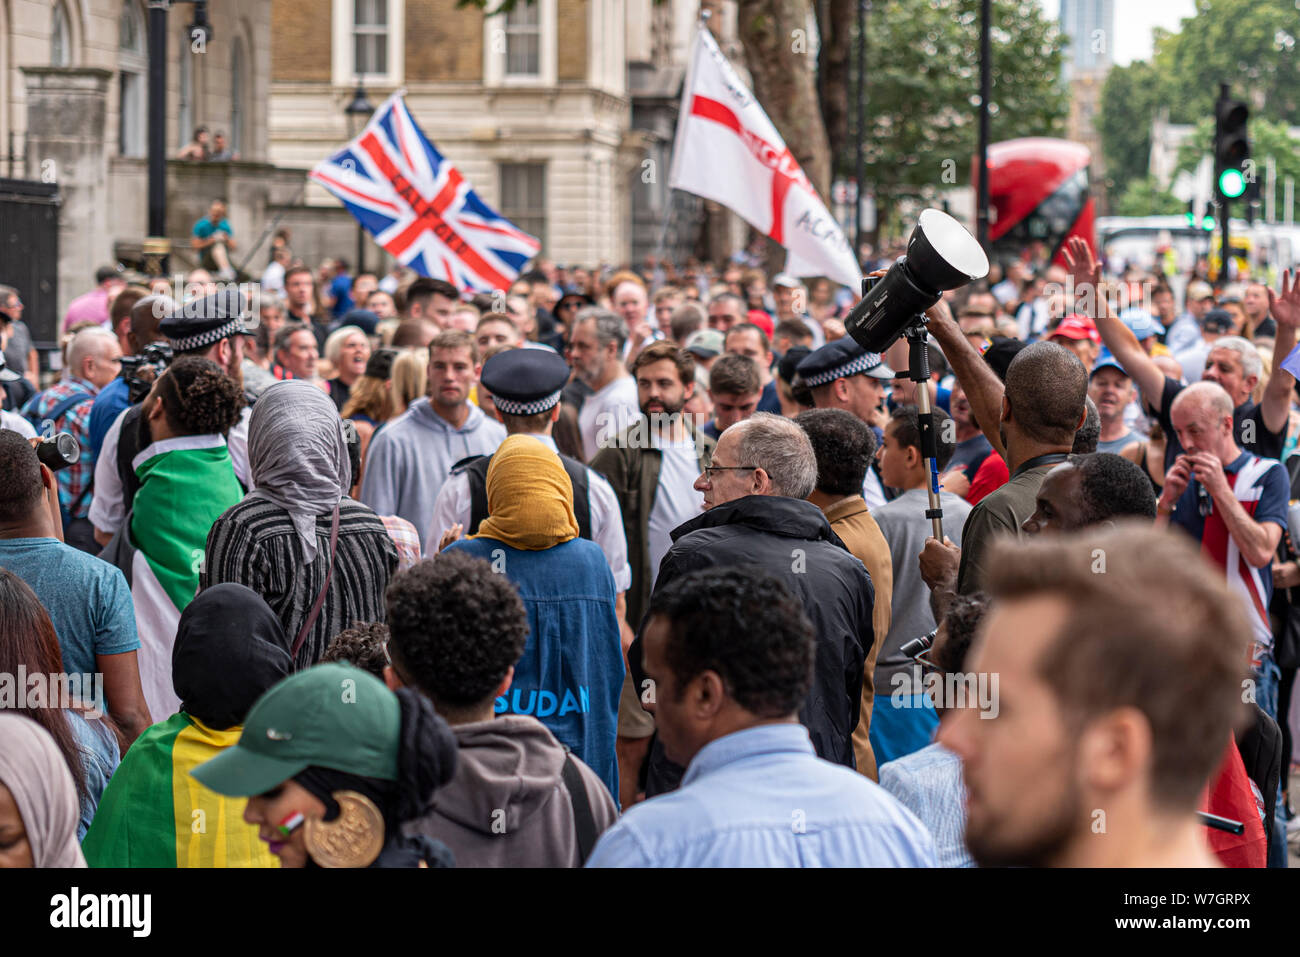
x=989, y=477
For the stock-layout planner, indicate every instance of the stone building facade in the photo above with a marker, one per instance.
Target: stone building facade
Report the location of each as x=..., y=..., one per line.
x=74, y=110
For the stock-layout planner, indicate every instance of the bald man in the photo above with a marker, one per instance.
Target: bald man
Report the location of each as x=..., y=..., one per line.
x=94, y=359
x=631, y=302
x=1234, y=504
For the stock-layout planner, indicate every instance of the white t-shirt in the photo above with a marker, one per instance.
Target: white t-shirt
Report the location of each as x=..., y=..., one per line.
x=607, y=412
x=676, y=500
x=16, y=423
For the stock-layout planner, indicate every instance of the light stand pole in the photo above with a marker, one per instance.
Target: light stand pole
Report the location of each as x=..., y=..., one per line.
x=358, y=114
x=918, y=370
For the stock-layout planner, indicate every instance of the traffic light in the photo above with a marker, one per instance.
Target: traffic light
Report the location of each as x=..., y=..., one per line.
x=1205, y=221
x=1231, y=145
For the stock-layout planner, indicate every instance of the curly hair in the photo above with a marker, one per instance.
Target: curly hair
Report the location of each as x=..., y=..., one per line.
x=1113, y=488
x=746, y=625
x=198, y=398
x=961, y=622
x=844, y=446
x=456, y=628
x=361, y=645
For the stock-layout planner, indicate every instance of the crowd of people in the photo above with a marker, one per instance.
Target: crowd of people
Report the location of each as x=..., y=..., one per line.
x=637, y=567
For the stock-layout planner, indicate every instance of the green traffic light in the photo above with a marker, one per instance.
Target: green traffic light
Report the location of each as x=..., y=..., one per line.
x=1207, y=223
x=1231, y=183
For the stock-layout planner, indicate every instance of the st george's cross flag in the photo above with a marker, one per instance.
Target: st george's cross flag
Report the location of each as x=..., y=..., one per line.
x=727, y=150
x=420, y=208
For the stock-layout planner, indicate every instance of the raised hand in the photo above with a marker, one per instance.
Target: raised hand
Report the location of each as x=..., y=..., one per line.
x=1285, y=308
x=1080, y=261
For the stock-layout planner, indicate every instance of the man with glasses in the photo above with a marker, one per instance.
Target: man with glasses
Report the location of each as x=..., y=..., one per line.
x=756, y=513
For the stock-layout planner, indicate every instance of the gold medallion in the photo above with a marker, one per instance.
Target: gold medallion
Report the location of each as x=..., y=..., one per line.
x=353, y=839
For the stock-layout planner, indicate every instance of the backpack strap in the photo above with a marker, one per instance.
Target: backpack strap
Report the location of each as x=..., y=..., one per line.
x=475, y=472
x=584, y=822
x=59, y=410
x=581, y=499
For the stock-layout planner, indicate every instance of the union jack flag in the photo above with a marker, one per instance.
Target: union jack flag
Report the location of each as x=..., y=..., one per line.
x=420, y=208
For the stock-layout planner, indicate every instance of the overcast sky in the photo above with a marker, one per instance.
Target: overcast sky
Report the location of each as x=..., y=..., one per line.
x=1133, y=22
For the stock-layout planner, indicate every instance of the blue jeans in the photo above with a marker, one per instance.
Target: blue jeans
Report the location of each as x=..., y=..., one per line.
x=1268, y=677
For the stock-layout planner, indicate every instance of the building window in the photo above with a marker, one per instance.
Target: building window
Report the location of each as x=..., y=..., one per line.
x=523, y=197
x=523, y=40
x=519, y=45
x=185, y=108
x=368, y=42
x=133, y=64
x=236, y=143
x=60, y=37
x=370, y=37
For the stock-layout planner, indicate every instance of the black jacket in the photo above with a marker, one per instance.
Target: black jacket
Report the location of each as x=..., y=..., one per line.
x=791, y=539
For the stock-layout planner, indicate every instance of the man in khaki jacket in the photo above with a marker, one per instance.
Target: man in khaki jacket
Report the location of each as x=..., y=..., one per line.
x=844, y=447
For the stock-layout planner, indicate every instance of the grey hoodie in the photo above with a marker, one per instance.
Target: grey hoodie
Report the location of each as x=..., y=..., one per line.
x=507, y=806
x=410, y=458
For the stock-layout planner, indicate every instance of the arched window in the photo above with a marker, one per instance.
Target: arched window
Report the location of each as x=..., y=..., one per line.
x=237, y=84
x=60, y=37
x=132, y=66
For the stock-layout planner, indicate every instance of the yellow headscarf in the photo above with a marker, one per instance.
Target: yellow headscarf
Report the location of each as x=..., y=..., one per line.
x=529, y=497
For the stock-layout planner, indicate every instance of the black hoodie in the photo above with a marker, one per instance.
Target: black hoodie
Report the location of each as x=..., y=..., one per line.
x=791, y=539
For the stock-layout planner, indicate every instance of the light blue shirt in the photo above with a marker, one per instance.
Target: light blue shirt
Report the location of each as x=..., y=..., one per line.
x=929, y=784
x=762, y=798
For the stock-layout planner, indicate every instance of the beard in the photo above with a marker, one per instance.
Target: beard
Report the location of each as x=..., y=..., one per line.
x=1040, y=847
x=669, y=408
x=593, y=372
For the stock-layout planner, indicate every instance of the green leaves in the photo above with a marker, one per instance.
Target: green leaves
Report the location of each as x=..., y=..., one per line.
x=923, y=86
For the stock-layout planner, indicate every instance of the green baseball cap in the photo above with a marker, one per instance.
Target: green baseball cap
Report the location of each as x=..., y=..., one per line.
x=329, y=716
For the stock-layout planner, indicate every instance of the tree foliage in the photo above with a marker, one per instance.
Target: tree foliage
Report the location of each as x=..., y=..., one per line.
x=1144, y=197
x=923, y=90
x=1249, y=44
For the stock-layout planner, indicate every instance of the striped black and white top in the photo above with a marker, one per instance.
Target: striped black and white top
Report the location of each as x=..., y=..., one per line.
x=254, y=544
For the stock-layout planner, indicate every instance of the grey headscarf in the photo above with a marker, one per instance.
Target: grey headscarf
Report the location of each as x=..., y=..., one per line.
x=298, y=456
x=35, y=773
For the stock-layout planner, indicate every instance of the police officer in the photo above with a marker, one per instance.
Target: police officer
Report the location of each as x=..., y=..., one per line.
x=843, y=375
x=525, y=385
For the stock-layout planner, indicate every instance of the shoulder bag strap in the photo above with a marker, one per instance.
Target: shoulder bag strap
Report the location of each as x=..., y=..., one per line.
x=320, y=599
x=584, y=821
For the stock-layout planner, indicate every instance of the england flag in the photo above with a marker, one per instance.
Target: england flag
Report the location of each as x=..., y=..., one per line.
x=727, y=150
x=419, y=207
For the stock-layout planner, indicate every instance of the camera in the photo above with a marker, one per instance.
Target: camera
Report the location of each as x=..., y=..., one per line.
x=941, y=255
x=140, y=372
x=58, y=451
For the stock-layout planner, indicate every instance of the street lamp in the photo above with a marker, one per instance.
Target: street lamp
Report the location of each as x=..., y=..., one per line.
x=357, y=113
x=156, y=244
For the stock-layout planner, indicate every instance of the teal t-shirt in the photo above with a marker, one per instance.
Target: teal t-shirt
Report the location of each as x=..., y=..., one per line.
x=88, y=599
x=205, y=228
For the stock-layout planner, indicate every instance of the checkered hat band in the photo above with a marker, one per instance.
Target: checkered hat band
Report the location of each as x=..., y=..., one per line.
x=190, y=343
x=863, y=363
x=536, y=407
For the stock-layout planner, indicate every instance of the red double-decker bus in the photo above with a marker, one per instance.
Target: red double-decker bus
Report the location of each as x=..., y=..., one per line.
x=1040, y=197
